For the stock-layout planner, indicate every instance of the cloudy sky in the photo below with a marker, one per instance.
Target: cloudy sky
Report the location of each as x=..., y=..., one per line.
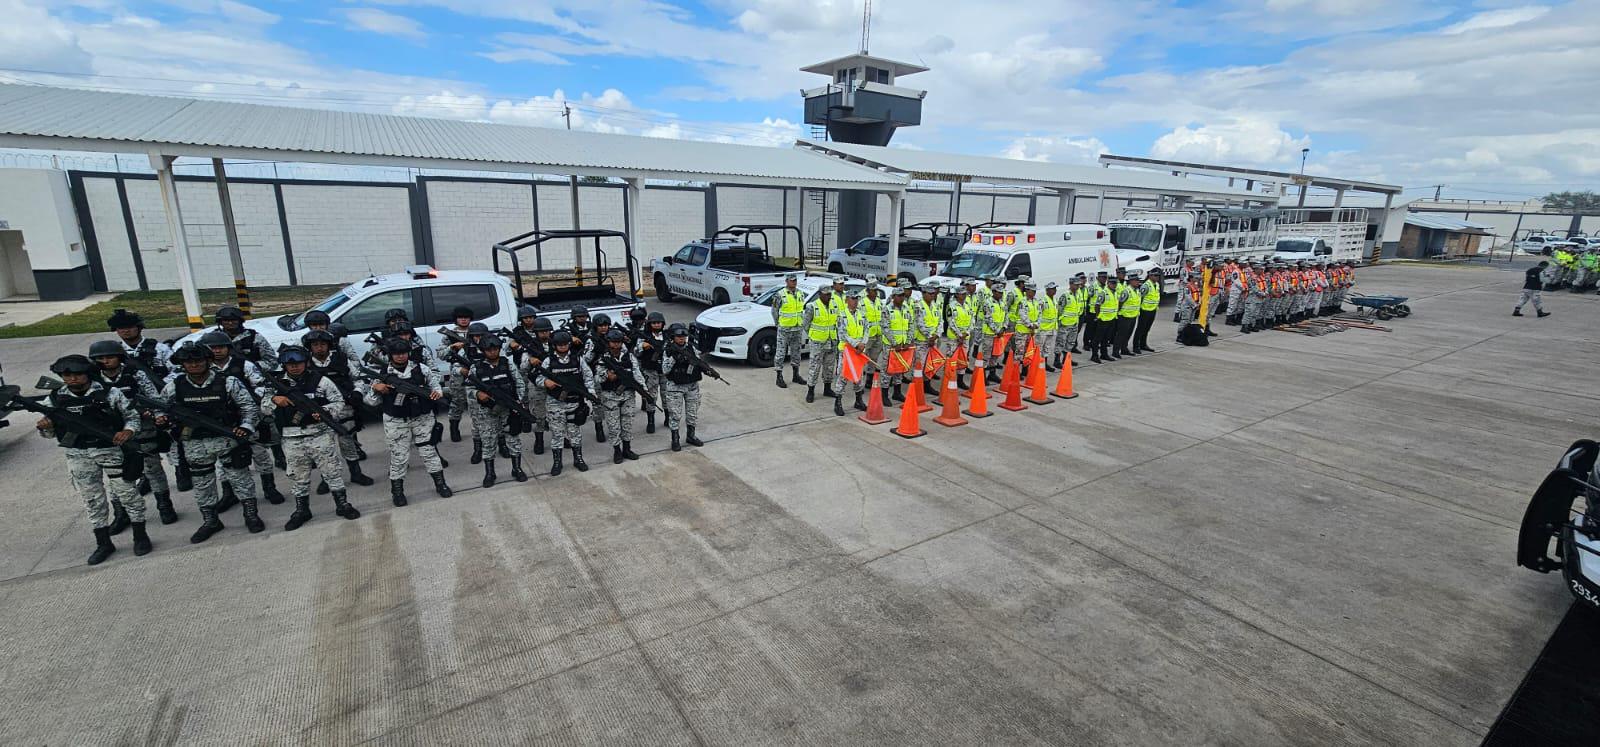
x=1489, y=97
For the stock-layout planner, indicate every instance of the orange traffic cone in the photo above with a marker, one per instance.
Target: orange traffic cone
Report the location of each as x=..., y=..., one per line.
x=1011, y=386
x=909, y=412
x=1037, y=384
x=979, y=407
x=950, y=396
x=918, y=393
x=980, y=374
x=874, y=414
x=1064, y=382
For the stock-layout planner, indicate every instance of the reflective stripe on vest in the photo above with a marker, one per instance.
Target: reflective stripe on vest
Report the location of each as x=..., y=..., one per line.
x=855, y=326
x=930, y=320
x=1128, y=301
x=1047, y=314
x=791, y=308
x=898, y=331
x=1152, y=296
x=961, y=316
x=1108, y=306
x=824, y=322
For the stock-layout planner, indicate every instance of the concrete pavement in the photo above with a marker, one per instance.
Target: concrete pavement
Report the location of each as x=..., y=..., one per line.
x=1275, y=539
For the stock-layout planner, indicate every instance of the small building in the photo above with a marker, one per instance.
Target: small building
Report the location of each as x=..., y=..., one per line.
x=1432, y=236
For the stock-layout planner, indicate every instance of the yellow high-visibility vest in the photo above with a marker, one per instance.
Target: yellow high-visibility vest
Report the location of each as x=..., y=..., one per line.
x=791, y=308
x=824, y=321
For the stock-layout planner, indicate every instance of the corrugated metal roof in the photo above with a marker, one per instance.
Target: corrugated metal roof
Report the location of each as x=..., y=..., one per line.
x=993, y=170
x=48, y=112
x=1445, y=223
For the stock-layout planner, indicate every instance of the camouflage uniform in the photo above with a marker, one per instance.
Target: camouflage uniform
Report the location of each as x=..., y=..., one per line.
x=561, y=412
x=86, y=465
x=824, y=353
x=308, y=444
x=791, y=340
x=454, y=384
x=491, y=425
x=617, y=405
x=683, y=388
x=401, y=432
x=210, y=454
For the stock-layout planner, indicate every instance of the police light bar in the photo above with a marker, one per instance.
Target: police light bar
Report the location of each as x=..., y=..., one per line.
x=422, y=271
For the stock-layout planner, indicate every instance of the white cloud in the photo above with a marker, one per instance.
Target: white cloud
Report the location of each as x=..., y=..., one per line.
x=1056, y=149
x=1497, y=19
x=1247, y=141
x=383, y=22
x=31, y=39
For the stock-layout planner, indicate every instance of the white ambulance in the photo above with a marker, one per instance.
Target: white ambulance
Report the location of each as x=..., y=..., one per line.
x=1047, y=254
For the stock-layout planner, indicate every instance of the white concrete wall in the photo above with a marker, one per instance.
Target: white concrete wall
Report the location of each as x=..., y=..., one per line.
x=16, y=276
x=38, y=203
x=341, y=233
x=670, y=219
x=467, y=218
x=105, y=216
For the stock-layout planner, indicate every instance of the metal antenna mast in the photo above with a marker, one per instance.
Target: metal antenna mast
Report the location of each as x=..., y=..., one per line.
x=866, y=24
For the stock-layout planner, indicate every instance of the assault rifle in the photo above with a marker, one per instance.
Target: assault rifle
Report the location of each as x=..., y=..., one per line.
x=182, y=475
x=625, y=375
x=696, y=361
x=133, y=453
x=306, y=405
x=500, y=397
x=184, y=415
x=406, y=387
x=569, y=382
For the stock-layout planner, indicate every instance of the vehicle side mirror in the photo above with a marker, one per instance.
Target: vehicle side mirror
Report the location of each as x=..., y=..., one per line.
x=286, y=322
x=669, y=259
x=850, y=251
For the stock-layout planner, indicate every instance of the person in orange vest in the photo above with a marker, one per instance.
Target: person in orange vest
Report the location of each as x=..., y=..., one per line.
x=1256, y=297
x=1188, y=303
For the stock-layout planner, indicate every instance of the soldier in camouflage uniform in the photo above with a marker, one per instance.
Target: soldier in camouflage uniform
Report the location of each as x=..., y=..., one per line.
x=408, y=420
x=308, y=443
x=492, y=422
x=452, y=378
x=683, y=385
x=617, y=401
x=530, y=345
x=820, y=324
x=111, y=372
x=565, y=407
x=225, y=398
x=591, y=358
x=853, y=332
x=333, y=364
x=226, y=360
x=90, y=456
x=647, y=347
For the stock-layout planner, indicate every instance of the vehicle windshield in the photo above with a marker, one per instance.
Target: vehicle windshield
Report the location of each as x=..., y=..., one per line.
x=971, y=264
x=1135, y=237
x=1295, y=246
x=328, y=304
x=765, y=299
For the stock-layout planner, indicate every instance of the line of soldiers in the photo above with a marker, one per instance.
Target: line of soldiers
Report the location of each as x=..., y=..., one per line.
x=229, y=403
x=1112, y=315
x=1576, y=270
x=1258, y=294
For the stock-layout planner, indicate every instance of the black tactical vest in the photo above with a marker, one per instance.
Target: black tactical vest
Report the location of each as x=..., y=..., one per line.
x=683, y=370
x=569, y=367
x=92, y=406
x=145, y=353
x=308, y=384
x=211, y=400
x=337, y=370
x=498, y=374
x=398, y=404
x=624, y=363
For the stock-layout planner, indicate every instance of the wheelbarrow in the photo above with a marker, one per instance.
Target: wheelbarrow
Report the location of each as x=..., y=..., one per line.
x=1382, y=307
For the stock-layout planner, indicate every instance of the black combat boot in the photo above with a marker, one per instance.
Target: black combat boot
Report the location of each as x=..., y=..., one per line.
x=677, y=445
x=627, y=451
x=102, y=546
x=455, y=430
x=342, y=507
x=477, y=451
x=488, y=473
x=794, y=376
x=356, y=475
x=599, y=430
x=397, y=492
x=141, y=540
x=616, y=455
x=860, y=404
x=164, y=508
x=252, y=518
x=781, y=383
x=827, y=389
x=838, y=406
x=516, y=470
x=505, y=449
x=322, y=487
x=278, y=459
x=361, y=454
x=555, y=462
x=182, y=480
x=269, y=490
x=688, y=438
x=898, y=395
x=143, y=484
x=228, y=499
x=209, y=525
x=439, y=486
x=927, y=386
x=650, y=419
x=301, y=515
x=538, y=443
x=119, y=519
x=577, y=459
x=811, y=394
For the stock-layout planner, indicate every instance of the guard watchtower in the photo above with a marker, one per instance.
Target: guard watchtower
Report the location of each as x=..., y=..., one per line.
x=863, y=102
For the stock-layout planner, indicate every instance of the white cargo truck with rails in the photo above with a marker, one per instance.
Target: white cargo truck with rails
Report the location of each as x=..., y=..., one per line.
x=1046, y=254
x=735, y=264
x=924, y=249
x=1172, y=237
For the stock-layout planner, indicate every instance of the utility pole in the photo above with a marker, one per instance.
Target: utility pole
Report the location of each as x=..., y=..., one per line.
x=866, y=24
x=577, y=244
x=1437, y=188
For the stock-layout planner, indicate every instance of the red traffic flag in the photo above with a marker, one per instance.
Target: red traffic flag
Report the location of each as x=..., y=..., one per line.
x=1030, y=355
x=934, y=361
x=1000, y=345
x=852, y=364
x=960, y=358
x=900, y=360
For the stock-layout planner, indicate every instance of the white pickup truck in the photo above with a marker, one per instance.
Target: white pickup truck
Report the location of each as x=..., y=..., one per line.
x=734, y=265
x=1544, y=243
x=925, y=248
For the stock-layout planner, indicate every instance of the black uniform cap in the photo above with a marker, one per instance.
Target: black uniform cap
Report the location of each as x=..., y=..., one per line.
x=122, y=318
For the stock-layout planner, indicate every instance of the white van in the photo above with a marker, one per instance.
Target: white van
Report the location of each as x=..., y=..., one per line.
x=1048, y=254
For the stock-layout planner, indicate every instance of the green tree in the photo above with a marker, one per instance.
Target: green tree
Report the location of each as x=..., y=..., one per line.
x=1575, y=202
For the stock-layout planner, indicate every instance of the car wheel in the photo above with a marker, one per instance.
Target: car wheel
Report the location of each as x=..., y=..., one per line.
x=763, y=348
x=662, y=291
x=836, y=268
x=719, y=298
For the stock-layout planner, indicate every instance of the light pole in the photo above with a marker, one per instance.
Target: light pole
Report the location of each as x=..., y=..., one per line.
x=1303, y=183
x=1303, y=153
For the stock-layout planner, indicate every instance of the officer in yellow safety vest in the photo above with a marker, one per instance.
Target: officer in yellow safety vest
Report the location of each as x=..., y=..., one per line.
x=1024, y=318
x=1069, y=314
x=1049, y=313
x=1105, y=321
x=994, y=324
x=788, y=312
x=838, y=294
x=928, y=317
x=1127, y=313
x=896, y=338
x=959, y=324
x=852, y=332
x=1149, y=293
x=1091, y=310
x=872, y=306
x=821, y=323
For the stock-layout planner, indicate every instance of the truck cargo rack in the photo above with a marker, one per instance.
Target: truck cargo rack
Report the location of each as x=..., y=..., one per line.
x=743, y=232
x=555, y=293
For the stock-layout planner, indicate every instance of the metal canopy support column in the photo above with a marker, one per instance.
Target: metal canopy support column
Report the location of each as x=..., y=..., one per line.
x=1338, y=198
x=1383, y=229
x=896, y=200
x=955, y=204
x=241, y=288
x=634, y=196
x=180, y=243
x=577, y=244
x=1100, y=208
x=1065, y=205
